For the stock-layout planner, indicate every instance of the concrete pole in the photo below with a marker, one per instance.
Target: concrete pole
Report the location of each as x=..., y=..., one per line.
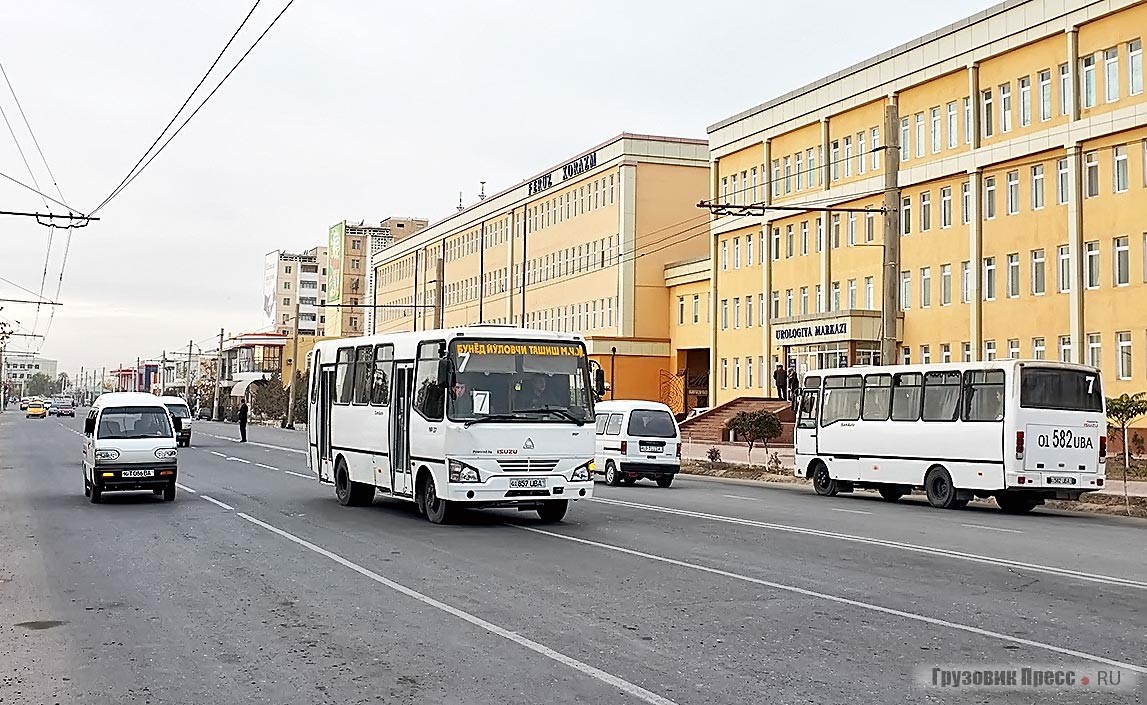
x=187, y=377
x=294, y=369
x=216, y=412
x=890, y=300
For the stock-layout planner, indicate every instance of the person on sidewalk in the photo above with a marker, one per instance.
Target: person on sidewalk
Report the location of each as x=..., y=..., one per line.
x=243, y=421
x=781, y=380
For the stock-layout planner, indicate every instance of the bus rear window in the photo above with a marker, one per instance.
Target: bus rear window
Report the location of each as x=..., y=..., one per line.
x=1065, y=390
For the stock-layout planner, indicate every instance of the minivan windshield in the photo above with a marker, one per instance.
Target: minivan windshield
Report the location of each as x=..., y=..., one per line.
x=134, y=422
x=179, y=411
x=652, y=423
x=1061, y=389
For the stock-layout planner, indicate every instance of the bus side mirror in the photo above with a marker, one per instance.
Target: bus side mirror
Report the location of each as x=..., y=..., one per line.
x=89, y=426
x=599, y=381
x=178, y=423
x=443, y=372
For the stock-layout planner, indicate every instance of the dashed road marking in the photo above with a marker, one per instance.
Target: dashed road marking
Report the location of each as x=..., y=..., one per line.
x=185, y=488
x=299, y=474
x=267, y=467
x=850, y=511
x=228, y=507
x=992, y=528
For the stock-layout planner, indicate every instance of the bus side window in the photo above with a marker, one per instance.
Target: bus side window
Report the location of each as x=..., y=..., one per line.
x=808, y=409
x=906, y=396
x=877, y=397
x=315, y=366
x=344, y=376
x=941, y=396
x=842, y=396
x=429, y=397
x=984, y=395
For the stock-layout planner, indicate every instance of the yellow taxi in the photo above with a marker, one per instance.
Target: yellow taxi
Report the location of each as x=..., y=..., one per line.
x=37, y=410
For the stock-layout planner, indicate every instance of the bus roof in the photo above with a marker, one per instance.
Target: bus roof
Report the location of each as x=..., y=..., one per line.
x=1009, y=363
x=481, y=332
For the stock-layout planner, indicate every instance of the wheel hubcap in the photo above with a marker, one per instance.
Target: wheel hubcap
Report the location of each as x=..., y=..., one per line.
x=431, y=497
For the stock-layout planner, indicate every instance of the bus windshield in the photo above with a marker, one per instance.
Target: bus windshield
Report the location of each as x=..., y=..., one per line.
x=1060, y=389
x=519, y=381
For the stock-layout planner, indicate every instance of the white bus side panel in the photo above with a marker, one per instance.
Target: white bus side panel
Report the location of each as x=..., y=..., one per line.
x=359, y=437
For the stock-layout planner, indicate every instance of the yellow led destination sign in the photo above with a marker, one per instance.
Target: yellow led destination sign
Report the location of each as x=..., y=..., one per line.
x=517, y=349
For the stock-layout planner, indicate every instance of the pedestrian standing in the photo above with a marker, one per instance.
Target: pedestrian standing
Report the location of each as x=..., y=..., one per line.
x=243, y=421
x=781, y=380
x=794, y=386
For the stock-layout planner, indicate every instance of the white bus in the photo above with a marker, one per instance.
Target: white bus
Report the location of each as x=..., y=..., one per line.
x=1019, y=431
x=481, y=416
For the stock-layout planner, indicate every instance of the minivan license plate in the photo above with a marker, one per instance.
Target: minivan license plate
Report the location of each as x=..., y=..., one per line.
x=529, y=483
x=137, y=473
x=1054, y=480
x=651, y=447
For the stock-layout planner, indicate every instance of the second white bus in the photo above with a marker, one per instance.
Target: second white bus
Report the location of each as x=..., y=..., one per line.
x=1019, y=431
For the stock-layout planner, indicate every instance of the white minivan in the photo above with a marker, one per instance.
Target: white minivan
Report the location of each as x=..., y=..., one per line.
x=179, y=410
x=637, y=439
x=130, y=444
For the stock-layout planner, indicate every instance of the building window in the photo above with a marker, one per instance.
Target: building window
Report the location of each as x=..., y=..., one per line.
x=1013, y=275
x=819, y=299
x=819, y=234
x=1095, y=350
x=776, y=244
x=989, y=279
x=776, y=303
x=1025, y=84
x=987, y=115
x=804, y=300
x=1091, y=250
x=736, y=253
x=1037, y=187
x=798, y=167
x=1063, y=257
x=965, y=282
x=1123, y=354
x=1064, y=89
x=1006, y=107
x=925, y=287
x=966, y=202
x=905, y=215
x=847, y=158
x=1122, y=176
x=724, y=314
x=1091, y=173
x=789, y=302
x=724, y=373
x=749, y=250
x=834, y=155
x=804, y=237
x=835, y=230
x=1045, y=95
x=790, y=244
x=851, y=229
x=925, y=355
x=925, y=211
x=989, y=350
x=737, y=312
x=869, y=227
x=945, y=352
x=945, y=284
x=905, y=356
x=1065, y=348
x=967, y=120
x=953, y=126
x=989, y=197
x=1061, y=193
x=1039, y=281
x=861, y=155
x=724, y=255
x=1122, y=262
x=1135, y=66
x=937, y=135
x=1111, y=74
x=1087, y=87
x=851, y=294
x=748, y=372
x=920, y=138
x=1013, y=195
x=810, y=162
x=736, y=373
x=905, y=139
x=834, y=296
x=966, y=352
x=1039, y=349
x=680, y=310
x=788, y=174
x=946, y=207
x=869, y=293
x=875, y=133
x=748, y=311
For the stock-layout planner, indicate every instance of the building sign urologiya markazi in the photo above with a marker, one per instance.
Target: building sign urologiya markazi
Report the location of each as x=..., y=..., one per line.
x=836, y=329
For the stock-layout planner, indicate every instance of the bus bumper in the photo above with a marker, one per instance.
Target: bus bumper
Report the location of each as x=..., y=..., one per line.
x=1063, y=485
x=508, y=490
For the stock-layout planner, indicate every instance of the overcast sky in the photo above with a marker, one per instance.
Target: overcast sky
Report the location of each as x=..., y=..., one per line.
x=354, y=109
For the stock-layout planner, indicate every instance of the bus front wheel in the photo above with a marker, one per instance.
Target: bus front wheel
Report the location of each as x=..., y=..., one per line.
x=553, y=511
x=438, y=510
x=941, y=492
x=822, y=482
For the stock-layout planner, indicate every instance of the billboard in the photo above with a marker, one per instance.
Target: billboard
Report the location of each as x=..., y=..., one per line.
x=335, y=263
x=270, y=281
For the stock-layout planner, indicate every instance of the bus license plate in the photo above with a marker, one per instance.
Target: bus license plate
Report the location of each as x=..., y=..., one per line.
x=528, y=483
x=1053, y=480
x=137, y=473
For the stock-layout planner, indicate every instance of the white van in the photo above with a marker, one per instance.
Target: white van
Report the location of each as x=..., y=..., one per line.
x=637, y=439
x=130, y=444
x=179, y=410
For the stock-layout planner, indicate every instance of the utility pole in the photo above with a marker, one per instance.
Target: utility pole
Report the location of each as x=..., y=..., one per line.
x=135, y=377
x=890, y=299
x=294, y=369
x=216, y=412
x=187, y=377
x=163, y=372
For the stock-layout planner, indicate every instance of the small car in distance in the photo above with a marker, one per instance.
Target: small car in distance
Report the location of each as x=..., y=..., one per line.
x=204, y=413
x=24, y=403
x=36, y=410
x=64, y=408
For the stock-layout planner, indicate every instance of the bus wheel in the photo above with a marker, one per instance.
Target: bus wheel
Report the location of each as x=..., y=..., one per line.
x=1012, y=503
x=891, y=493
x=553, y=510
x=438, y=510
x=822, y=482
x=348, y=492
x=611, y=475
x=940, y=490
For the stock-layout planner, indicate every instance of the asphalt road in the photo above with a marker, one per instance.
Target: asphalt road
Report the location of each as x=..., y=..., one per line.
x=255, y=586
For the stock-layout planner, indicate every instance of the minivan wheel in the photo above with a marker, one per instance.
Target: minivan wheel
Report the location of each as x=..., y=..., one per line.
x=612, y=477
x=664, y=481
x=169, y=492
x=95, y=495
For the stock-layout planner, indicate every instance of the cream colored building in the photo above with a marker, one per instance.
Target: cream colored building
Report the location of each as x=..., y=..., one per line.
x=291, y=278
x=580, y=246
x=1022, y=136
x=349, y=249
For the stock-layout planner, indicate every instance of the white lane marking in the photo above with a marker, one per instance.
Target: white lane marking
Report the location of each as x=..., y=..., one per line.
x=238, y=460
x=992, y=528
x=850, y=511
x=267, y=467
x=580, y=666
x=930, y=550
x=737, y=496
x=221, y=455
x=228, y=507
x=261, y=445
x=846, y=601
x=299, y=474
x=185, y=488
x=69, y=429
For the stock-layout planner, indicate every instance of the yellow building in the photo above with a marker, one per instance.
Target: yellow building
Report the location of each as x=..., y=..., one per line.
x=349, y=249
x=1022, y=135
x=581, y=246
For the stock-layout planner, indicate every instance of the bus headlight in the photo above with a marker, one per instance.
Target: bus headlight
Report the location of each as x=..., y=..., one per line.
x=106, y=455
x=583, y=473
x=461, y=472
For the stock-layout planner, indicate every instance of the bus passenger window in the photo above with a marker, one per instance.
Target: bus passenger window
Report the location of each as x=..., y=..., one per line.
x=877, y=397
x=941, y=396
x=842, y=397
x=363, y=371
x=429, y=397
x=344, y=376
x=808, y=409
x=906, y=396
x=984, y=395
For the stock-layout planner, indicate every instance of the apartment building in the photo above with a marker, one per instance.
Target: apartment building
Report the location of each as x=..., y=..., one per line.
x=350, y=247
x=290, y=278
x=18, y=369
x=1022, y=135
x=579, y=246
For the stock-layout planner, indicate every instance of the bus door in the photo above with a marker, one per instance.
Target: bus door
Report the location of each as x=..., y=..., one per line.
x=400, y=473
x=323, y=422
x=805, y=433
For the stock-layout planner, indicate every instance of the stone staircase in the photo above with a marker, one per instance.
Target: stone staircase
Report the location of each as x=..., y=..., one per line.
x=710, y=426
